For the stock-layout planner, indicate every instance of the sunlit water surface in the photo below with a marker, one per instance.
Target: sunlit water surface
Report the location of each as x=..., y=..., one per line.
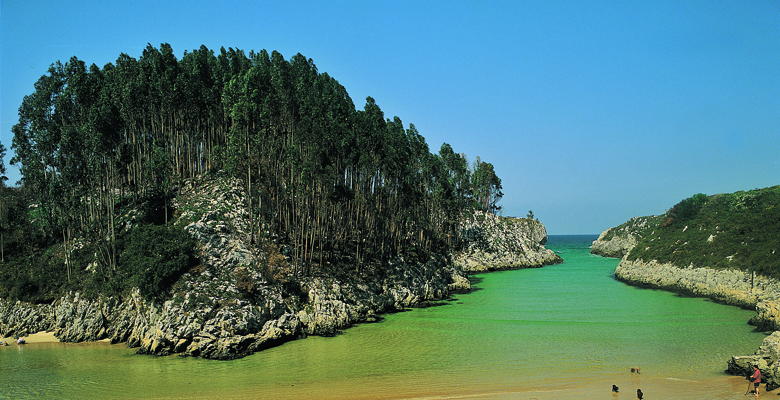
x=566, y=331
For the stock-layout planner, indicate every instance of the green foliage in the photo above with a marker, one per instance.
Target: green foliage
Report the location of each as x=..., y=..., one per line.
x=332, y=184
x=154, y=257
x=35, y=268
x=486, y=187
x=35, y=277
x=685, y=210
x=637, y=226
x=3, y=178
x=736, y=230
x=291, y=133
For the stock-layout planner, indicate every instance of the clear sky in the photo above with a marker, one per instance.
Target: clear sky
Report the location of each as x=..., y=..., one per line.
x=591, y=111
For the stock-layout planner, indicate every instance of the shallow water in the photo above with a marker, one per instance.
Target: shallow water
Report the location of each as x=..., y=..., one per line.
x=559, y=332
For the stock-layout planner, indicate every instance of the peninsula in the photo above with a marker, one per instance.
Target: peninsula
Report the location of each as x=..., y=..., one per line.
x=224, y=202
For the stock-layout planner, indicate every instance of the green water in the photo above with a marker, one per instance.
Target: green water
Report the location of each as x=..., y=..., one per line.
x=520, y=330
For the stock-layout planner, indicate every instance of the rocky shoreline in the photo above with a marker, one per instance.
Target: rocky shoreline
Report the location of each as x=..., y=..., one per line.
x=204, y=327
x=733, y=287
x=228, y=307
x=736, y=287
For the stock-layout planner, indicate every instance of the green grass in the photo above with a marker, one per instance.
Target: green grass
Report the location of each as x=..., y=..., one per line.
x=736, y=230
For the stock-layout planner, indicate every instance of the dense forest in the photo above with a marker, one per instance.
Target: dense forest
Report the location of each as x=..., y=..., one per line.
x=328, y=183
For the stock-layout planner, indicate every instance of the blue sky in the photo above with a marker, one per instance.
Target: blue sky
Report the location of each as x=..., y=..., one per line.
x=591, y=111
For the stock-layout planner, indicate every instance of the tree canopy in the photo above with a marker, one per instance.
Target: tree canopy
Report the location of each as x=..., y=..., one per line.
x=325, y=180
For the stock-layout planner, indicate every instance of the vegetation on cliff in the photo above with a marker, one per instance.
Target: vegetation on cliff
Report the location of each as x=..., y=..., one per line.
x=619, y=240
x=104, y=151
x=637, y=226
x=735, y=230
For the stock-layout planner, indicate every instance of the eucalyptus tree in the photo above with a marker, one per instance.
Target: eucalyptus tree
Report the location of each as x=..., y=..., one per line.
x=331, y=184
x=3, y=203
x=486, y=186
x=3, y=177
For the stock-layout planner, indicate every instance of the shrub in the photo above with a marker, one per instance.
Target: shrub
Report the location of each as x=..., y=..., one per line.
x=154, y=257
x=685, y=210
x=277, y=268
x=734, y=230
x=245, y=283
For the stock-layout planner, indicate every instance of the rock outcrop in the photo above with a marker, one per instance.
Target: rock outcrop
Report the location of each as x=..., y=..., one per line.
x=765, y=358
x=240, y=300
x=230, y=306
x=731, y=286
x=498, y=243
x=618, y=241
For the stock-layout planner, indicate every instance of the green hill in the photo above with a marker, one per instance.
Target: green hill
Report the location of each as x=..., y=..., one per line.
x=735, y=230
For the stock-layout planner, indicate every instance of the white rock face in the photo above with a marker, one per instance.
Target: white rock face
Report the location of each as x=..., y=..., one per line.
x=732, y=286
x=498, y=243
x=618, y=241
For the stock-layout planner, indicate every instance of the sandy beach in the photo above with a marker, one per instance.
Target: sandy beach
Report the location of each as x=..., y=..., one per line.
x=40, y=337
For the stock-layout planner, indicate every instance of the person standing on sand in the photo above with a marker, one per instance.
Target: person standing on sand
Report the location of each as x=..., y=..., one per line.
x=756, y=378
x=639, y=394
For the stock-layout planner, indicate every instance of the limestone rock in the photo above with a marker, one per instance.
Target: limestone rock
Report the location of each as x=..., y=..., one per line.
x=618, y=241
x=230, y=307
x=497, y=243
x=765, y=359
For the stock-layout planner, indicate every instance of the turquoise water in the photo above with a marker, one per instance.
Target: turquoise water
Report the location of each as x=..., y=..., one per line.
x=571, y=327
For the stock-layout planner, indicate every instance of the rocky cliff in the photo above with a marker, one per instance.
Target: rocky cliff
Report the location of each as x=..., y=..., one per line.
x=240, y=300
x=229, y=306
x=617, y=241
x=498, y=243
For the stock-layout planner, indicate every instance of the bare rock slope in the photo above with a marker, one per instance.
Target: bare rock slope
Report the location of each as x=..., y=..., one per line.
x=618, y=241
x=498, y=243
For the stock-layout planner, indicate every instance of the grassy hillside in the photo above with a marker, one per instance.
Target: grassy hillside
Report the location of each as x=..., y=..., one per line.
x=735, y=230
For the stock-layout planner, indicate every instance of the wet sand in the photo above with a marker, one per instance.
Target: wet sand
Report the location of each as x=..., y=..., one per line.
x=723, y=388
x=667, y=388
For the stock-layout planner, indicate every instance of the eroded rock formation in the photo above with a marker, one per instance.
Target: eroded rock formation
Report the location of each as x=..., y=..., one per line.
x=231, y=304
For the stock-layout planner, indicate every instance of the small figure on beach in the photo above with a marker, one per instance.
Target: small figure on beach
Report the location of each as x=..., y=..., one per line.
x=4, y=343
x=639, y=394
x=615, y=388
x=756, y=379
x=635, y=370
x=20, y=340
